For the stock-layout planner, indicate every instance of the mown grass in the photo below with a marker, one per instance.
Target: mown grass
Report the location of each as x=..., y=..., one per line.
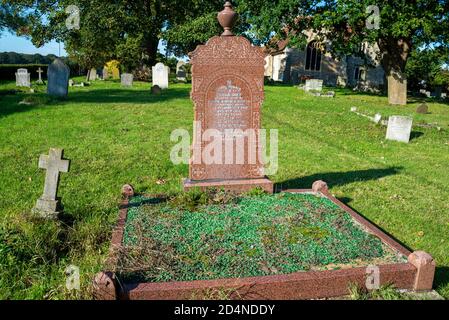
x=117, y=135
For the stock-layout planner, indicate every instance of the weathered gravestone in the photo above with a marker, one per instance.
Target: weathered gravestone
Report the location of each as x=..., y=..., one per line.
x=313, y=85
x=397, y=91
x=92, y=75
x=58, y=79
x=156, y=90
x=443, y=95
x=181, y=74
x=127, y=79
x=160, y=75
x=39, y=71
x=227, y=91
x=23, y=78
x=423, y=109
x=399, y=128
x=105, y=73
x=49, y=205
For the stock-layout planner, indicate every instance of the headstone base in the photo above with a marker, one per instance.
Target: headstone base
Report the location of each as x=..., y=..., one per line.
x=237, y=186
x=48, y=209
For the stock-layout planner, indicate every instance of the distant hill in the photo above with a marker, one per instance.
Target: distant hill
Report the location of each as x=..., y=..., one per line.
x=22, y=58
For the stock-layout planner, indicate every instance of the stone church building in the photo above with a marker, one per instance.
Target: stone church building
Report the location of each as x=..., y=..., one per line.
x=290, y=65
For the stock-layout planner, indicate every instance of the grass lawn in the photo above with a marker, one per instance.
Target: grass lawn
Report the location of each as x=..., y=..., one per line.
x=117, y=135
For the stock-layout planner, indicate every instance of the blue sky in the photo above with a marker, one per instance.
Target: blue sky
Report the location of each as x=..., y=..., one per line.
x=10, y=42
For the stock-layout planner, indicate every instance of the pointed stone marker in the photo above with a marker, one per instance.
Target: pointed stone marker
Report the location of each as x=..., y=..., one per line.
x=48, y=205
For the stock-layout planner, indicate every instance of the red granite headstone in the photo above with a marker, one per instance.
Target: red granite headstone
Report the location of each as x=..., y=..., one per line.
x=227, y=91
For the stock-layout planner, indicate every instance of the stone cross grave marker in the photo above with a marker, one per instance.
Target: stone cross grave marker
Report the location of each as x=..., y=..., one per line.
x=181, y=74
x=48, y=205
x=160, y=75
x=313, y=84
x=39, y=71
x=399, y=128
x=23, y=78
x=58, y=79
x=126, y=79
x=227, y=92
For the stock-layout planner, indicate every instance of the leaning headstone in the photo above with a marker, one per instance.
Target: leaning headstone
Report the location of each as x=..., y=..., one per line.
x=126, y=79
x=423, y=109
x=160, y=75
x=58, y=79
x=49, y=205
x=23, y=78
x=39, y=71
x=156, y=90
x=227, y=92
x=443, y=95
x=181, y=74
x=399, y=128
x=92, y=75
x=313, y=85
x=71, y=83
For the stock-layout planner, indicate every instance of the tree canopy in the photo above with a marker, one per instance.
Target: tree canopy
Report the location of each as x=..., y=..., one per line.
x=130, y=30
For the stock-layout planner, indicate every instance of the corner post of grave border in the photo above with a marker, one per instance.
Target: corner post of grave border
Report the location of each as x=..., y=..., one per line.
x=425, y=272
x=105, y=286
x=320, y=186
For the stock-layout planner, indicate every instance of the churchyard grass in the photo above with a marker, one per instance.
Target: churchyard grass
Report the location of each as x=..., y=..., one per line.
x=115, y=135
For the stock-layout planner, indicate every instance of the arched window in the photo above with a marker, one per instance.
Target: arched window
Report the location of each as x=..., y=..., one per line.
x=313, y=56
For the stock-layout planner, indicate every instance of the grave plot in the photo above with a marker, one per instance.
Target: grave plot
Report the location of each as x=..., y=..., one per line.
x=298, y=244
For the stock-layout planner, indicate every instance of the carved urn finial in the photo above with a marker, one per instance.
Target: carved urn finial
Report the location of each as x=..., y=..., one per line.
x=227, y=19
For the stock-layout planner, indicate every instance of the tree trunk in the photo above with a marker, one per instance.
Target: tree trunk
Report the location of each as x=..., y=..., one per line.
x=151, y=44
x=394, y=60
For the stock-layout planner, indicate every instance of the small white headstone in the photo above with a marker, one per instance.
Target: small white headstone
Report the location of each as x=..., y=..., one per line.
x=160, y=75
x=23, y=78
x=126, y=79
x=313, y=84
x=399, y=128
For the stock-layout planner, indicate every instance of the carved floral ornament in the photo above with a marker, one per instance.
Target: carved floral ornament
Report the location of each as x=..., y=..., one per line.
x=227, y=51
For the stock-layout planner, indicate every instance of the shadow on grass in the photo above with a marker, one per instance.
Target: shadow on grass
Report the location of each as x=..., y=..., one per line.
x=127, y=96
x=337, y=178
x=441, y=277
x=415, y=135
x=9, y=101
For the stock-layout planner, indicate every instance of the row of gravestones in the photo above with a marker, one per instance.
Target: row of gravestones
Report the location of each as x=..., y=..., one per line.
x=58, y=77
x=437, y=94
